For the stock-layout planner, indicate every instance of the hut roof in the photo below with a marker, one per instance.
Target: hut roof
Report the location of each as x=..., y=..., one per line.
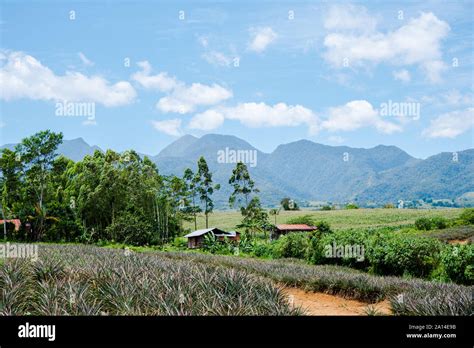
x=198, y=233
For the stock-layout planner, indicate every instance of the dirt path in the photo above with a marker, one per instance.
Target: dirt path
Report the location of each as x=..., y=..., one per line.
x=316, y=303
x=459, y=241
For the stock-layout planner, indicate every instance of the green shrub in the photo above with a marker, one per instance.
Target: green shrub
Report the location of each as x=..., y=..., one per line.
x=403, y=255
x=467, y=216
x=423, y=224
x=315, y=251
x=326, y=207
x=354, y=238
x=262, y=250
x=180, y=242
x=291, y=245
x=323, y=227
x=215, y=246
x=352, y=206
x=131, y=229
x=439, y=222
x=458, y=263
x=305, y=219
x=426, y=224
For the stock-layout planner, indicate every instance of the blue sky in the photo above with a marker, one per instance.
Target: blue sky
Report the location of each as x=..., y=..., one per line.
x=270, y=73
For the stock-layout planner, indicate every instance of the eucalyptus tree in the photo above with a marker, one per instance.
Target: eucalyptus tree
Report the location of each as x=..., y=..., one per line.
x=192, y=181
x=205, y=187
x=37, y=154
x=243, y=186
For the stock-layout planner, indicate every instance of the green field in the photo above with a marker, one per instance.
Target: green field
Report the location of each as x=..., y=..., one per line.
x=338, y=219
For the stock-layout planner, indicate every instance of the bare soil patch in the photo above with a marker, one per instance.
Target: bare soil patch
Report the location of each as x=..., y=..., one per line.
x=316, y=303
x=459, y=241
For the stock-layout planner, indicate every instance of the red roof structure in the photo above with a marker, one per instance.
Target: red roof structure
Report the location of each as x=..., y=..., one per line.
x=295, y=227
x=289, y=228
x=16, y=222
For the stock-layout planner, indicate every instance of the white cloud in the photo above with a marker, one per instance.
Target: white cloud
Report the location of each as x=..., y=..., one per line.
x=180, y=98
x=416, y=43
x=454, y=97
x=170, y=127
x=261, y=38
x=161, y=81
x=23, y=76
x=86, y=61
x=349, y=17
x=203, y=41
x=208, y=120
x=451, y=124
x=402, y=75
x=433, y=70
x=217, y=58
x=354, y=115
x=256, y=115
x=185, y=99
x=351, y=116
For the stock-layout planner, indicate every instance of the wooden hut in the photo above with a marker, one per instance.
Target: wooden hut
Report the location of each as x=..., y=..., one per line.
x=196, y=238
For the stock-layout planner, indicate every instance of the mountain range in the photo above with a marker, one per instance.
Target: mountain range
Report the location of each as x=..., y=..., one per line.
x=308, y=171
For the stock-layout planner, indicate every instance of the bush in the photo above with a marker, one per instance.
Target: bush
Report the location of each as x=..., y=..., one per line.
x=323, y=227
x=356, y=239
x=439, y=222
x=327, y=207
x=262, y=250
x=131, y=229
x=403, y=255
x=305, y=219
x=423, y=224
x=180, y=242
x=291, y=245
x=315, y=251
x=458, y=263
x=427, y=224
x=352, y=206
x=215, y=246
x=467, y=216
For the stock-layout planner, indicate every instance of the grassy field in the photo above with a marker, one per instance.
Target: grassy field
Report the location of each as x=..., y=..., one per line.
x=338, y=219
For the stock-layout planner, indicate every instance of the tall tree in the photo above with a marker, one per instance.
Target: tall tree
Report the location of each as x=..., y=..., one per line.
x=192, y=181
x=38, y=153
x=205, y=187
x=254, y=217
x=243, y=186
x=10, y=184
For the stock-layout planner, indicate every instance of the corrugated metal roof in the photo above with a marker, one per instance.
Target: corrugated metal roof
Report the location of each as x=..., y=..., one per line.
x=296, y=227
x=231, y=233
x=214, y=230
x=198, y=232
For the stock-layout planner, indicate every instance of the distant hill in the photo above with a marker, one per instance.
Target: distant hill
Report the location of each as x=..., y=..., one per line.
x=438, y=176
x=308, y=171
x=74, y=149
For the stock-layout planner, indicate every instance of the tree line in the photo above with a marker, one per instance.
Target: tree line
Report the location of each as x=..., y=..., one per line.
x=110, y=196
